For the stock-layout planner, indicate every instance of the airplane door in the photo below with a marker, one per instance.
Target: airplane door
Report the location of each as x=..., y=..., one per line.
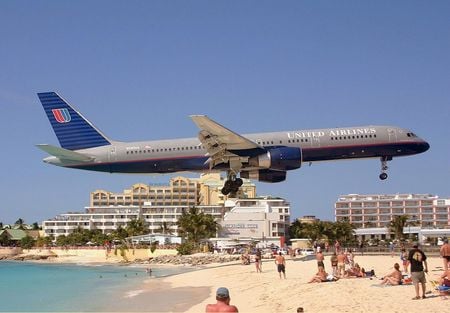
x=392, y=134
x=112, y=154
x=315, y=142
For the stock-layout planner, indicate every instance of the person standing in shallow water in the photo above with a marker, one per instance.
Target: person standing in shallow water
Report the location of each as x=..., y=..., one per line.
x=281, y=264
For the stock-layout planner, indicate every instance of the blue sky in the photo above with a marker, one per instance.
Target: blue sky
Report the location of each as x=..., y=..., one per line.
x=138, y=69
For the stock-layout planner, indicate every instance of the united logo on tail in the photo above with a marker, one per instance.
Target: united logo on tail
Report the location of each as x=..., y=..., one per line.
x=61, y=115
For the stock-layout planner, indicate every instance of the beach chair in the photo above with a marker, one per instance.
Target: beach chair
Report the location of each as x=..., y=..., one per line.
x=442, y=290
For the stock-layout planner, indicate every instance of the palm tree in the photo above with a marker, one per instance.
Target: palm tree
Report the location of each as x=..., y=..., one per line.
x=136, y=227
x=119, y=233
x=165, y=229
x=195, y=226
x=20, y=222
x=397, y=224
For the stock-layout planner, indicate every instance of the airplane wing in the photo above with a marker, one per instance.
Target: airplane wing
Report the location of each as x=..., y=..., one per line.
x=219, y=141
x=65, y=154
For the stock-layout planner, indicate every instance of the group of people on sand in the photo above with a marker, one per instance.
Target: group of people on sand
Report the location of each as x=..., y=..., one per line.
x=417, y=260
x=344, y=266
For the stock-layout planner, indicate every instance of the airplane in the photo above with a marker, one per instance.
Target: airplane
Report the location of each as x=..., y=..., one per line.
x=264, y=157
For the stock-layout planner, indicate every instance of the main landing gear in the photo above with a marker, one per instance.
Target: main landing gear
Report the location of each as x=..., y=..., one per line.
x=232, y=185
x=384, y=167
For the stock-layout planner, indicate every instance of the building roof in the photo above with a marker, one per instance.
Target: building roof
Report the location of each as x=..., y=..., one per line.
x=14, y=234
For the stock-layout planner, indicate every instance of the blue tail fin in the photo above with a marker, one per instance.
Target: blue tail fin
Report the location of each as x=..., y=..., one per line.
x=74, y=132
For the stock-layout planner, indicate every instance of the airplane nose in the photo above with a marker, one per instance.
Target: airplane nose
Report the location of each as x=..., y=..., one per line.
x=423, y=146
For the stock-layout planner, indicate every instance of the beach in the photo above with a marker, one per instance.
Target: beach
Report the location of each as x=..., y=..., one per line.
x=265, y=292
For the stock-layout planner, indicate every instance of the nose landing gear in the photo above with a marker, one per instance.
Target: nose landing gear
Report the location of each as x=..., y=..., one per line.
x=384, y=167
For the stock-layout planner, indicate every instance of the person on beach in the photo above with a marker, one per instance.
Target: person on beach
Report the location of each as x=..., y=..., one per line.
x=320, y=277
x=444, y=281
x=394, y=278
x=281, y=264
x=341, y=263
x=445, y=253
x=223, y=302
x=320, y=258
x=445, y=278
x=350, y=259
x=334, y=264
x=258, y=259
x=419, y=267
x=355, y=271
x=337, y=247
x=404, y=259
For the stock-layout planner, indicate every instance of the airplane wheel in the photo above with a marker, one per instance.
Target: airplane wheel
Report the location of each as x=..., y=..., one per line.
x=383, y=176
x=225, y=190
x=239, y=182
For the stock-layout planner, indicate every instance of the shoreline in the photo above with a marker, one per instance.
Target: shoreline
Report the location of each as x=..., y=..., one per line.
x=259, y=293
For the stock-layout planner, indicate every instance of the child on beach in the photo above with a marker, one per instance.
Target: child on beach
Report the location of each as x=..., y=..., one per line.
x=404, y=259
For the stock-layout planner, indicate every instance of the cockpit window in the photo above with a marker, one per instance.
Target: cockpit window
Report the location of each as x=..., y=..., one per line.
x=411, y=135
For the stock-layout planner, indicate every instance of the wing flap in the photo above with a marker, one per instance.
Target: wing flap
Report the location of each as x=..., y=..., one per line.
x=222, y=135
x=65, y=154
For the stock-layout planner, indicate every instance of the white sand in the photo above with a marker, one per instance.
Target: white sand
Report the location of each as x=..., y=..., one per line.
x=252, y=292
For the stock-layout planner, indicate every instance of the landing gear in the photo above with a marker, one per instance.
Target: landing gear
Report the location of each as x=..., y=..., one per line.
x=384, y=167
x=232, y=185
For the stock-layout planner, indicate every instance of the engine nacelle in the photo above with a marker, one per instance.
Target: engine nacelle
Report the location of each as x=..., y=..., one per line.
x=267, y=176
x=281, y=159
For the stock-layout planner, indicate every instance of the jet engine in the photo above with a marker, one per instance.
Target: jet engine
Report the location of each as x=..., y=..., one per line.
x=267, y=176
x=280, y=159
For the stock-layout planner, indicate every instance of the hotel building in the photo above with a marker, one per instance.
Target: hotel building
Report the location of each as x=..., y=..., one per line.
x=371, y=214
x=155, y=204
x=366, y=211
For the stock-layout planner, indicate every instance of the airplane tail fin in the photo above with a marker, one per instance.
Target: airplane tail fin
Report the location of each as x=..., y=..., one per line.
x=73, y=131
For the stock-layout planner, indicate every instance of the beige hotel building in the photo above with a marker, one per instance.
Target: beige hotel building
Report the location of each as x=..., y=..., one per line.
x=155, y=204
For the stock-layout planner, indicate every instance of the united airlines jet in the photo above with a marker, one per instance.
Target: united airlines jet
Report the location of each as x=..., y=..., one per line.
x=264, y=157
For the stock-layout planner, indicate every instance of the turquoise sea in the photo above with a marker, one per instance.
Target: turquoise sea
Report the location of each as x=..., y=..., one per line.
x=36, y=287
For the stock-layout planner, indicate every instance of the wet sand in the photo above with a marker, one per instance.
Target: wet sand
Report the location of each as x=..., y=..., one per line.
x=157, y=296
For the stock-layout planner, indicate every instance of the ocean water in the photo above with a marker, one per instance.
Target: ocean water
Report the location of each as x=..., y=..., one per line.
x=36, y=287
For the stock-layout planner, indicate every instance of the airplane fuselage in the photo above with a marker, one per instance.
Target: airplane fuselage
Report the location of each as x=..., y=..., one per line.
x=188, y=154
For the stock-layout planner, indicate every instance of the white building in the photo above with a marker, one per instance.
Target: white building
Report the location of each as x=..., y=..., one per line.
x=263, y=220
